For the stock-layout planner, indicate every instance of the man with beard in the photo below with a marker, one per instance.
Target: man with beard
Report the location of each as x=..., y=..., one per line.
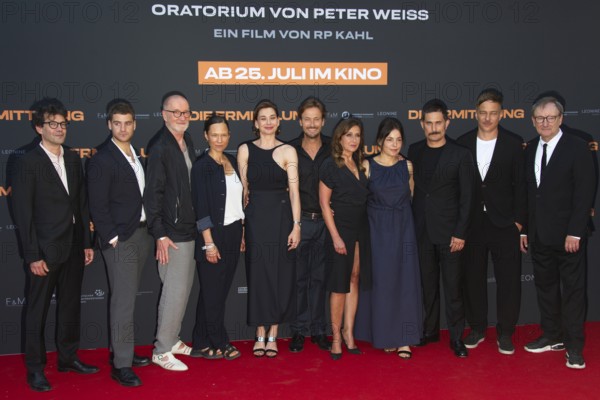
x=497, y=218
x=172, y=223
x=312, y=148
x=115, y=185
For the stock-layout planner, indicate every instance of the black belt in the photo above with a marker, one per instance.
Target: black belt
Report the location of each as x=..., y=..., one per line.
x=313, y=216
x=143, y=224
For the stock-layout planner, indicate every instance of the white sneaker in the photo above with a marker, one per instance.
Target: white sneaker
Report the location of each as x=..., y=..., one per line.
x=168, y=361
x=181, y=348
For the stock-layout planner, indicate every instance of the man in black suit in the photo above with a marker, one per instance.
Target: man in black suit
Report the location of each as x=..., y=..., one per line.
x=497, y=218
x=443, y=174
x=561, y=188
x=592, y=143
x=50, y=210
x=116, y=183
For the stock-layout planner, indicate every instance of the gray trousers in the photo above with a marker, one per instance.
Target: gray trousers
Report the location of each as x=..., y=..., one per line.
x=177, y=278
x=124, y=265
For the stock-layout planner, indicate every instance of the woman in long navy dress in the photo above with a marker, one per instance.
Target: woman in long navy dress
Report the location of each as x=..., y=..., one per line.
x=343, y=189
x=269, y=171
x=390, y=315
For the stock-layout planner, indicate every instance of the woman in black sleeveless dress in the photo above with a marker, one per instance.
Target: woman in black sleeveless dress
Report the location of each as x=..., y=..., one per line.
x=269, y=171
x=343, y=189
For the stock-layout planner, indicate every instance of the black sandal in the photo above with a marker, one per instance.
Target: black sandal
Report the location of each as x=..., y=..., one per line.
x=228, y=352
x=258, y=352
x=405, y=354
x=271, y=353
x=210, y=354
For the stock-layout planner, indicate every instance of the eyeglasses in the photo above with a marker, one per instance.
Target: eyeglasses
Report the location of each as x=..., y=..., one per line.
x=177, y=113
x=550, y=119
x=54, y=124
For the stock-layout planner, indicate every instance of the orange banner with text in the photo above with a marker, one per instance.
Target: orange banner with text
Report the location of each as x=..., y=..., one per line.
x=299, y=73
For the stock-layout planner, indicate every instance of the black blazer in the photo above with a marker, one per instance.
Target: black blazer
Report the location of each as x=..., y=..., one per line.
x=442, y=209
x=504, y=189
x=114, y=195
x=561, y=205
x=209, y=192
x=44, y=211
x=167, y=196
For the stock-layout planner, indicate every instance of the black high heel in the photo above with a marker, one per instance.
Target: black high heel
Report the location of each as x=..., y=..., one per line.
x=354, y=350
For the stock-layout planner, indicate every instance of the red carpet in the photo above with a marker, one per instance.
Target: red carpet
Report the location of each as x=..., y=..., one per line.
x=433, y=373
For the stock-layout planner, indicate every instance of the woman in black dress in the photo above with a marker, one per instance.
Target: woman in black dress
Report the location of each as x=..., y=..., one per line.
x=217, y=199
x=343, y=189
x=269, y=170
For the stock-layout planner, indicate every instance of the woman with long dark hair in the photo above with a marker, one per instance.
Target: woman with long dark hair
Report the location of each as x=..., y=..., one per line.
x=343, y=191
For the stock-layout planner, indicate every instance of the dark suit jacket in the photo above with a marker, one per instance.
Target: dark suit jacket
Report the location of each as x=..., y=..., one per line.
x=442, y=209
x=560, y=206
x=114, y=195
x=504, y=189
x=209, y=192
x=167, y=196
x=44, y=211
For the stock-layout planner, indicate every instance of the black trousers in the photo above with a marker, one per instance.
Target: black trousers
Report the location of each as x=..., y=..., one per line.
x=560, y=285
x=215, y=281
x=434, y=258
x=310, y=279
x=66, y=278
x=503, y=244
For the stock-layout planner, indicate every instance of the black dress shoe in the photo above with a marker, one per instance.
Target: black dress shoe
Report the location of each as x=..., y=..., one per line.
x=140, y=361
x=79, y=367
x=426, y=339
x=459, y=348
x=125, y=376
x=37, y=381
x=297, y=343
x=321, y=341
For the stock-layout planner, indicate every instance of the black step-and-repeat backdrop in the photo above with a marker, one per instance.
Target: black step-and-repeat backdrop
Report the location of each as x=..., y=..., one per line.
x=371, y=59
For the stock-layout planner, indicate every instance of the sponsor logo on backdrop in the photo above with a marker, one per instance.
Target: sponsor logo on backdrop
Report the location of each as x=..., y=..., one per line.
x=97, y=294
x=298, y=73
x=516, y=113
x=15, y=301
x=26, y=115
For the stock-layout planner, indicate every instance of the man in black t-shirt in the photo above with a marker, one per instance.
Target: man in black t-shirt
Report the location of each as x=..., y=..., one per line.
x=312, y=148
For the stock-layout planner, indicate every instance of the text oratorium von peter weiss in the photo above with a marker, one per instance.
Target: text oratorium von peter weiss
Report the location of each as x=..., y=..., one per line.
x=299, y=73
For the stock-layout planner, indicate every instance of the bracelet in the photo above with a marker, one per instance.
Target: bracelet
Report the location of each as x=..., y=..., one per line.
x=299, y=223
x=208, y=246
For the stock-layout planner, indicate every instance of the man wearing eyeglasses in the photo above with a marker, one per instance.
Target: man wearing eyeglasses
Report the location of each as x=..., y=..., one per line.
x=172, y=223
x=497, y=218
x=50, y=209
x=560, y=194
